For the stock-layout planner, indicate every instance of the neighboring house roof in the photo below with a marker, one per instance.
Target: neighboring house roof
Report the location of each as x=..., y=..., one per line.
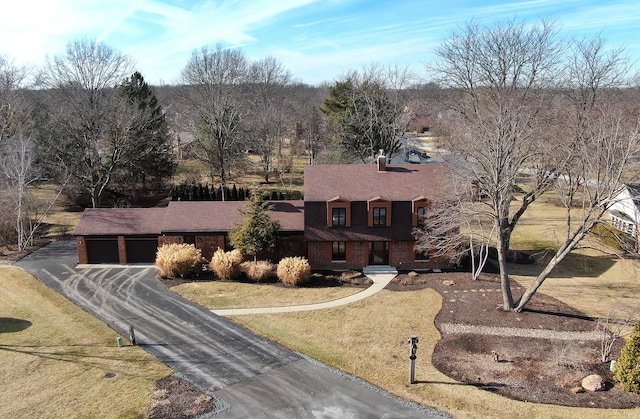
x=183, y=217
x=634, y=191
x=120, y=221
x=361, y=182
x=626, y=204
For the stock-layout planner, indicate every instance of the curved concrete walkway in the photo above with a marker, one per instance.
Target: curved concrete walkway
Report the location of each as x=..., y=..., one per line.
x=380, y=280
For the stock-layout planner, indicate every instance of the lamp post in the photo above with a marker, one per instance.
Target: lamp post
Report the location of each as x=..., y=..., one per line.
x=413, y=347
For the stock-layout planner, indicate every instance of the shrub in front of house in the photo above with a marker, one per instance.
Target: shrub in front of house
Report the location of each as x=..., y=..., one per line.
x=226, y=265
x=294, y=270
x=260, y=271
x=177, y=260
x=627, y=369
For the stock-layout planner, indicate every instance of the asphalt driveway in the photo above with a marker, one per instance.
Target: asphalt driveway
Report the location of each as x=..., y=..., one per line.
x=253, y=377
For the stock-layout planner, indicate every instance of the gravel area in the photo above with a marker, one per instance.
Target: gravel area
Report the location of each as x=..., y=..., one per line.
x=456, y=328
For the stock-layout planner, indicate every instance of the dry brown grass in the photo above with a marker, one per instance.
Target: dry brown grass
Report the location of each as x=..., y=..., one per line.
x=58, y=366
x=222, y=294
x=592, y=279
x=369, y=339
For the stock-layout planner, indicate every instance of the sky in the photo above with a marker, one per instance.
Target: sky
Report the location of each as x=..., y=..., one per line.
x=316, y=40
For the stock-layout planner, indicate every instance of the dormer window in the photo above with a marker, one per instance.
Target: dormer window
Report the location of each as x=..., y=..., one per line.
x=379, y=217
x=420, y=208
x=338, y=217
x=338, y=212
x=379, y=212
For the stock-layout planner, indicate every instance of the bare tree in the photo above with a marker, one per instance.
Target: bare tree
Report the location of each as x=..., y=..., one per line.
x=452, y=227
x=13, y=105
x=510, y=122
x=311, y=133
x=216, y=79
x=501, y=73
x=20, y=175
x=84, y=78
x=267, y=124
x=608, y=157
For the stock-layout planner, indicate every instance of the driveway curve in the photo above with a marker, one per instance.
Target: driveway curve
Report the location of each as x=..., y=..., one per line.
x=249, y=375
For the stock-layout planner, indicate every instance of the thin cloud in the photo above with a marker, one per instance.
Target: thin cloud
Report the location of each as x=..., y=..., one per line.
x=317, y=40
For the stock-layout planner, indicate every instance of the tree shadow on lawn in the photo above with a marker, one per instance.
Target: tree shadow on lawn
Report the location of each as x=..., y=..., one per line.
x=70, y=353
x=10, y=325
x=574, y=265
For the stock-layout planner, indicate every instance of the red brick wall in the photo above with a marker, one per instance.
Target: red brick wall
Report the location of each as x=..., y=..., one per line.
x=81, y=244
x=320, y=256
x=122, y=249
x=209, y=244
x=401, y=256
x=162, y=240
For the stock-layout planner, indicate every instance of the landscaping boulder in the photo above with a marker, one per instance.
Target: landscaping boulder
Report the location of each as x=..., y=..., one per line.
x=593, y=382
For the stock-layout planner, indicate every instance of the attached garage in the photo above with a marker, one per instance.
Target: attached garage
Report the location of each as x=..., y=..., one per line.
x=132, y=235
x=141, y=249
x=102, y=250
x=118, y=235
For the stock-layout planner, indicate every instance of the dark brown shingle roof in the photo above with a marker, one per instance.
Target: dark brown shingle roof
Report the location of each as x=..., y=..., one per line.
x=362, y=182
x=120, y=221
x=212, y=216
x=181, y=217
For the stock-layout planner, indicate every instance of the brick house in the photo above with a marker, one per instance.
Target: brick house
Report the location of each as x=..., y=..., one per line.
x=352, y=216
x=361, y=214
x=132, y=235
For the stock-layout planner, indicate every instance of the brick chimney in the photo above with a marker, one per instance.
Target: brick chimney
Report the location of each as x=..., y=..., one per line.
x=381, y=160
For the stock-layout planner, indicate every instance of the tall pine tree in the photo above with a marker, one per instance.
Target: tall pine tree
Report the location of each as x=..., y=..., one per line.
x=257, y=232
x=140, y=132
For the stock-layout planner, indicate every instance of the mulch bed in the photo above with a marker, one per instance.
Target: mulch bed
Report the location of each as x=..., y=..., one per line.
x=174, y=397
x=530, y=369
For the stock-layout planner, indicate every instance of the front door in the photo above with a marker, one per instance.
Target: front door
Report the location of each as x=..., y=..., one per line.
x=379, y=254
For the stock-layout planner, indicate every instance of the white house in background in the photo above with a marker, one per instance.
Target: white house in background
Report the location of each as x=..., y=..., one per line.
x=624, y=213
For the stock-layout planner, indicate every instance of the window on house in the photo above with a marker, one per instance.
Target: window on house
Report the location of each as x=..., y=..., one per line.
x=339, y=217
x=421, y=255
x=422, y=214
x=339, y=251
x=379, y=217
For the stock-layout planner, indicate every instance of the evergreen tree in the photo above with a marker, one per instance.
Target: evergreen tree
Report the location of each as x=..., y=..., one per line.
x=234, y=193
x=257, y=232
x=627, y=371
x=363, y=117
x=139, y=129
